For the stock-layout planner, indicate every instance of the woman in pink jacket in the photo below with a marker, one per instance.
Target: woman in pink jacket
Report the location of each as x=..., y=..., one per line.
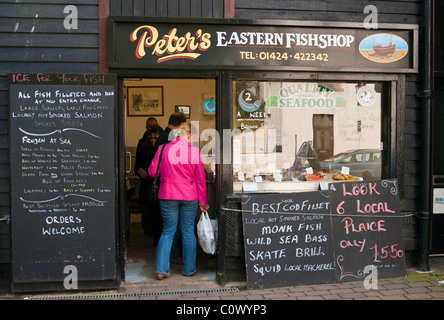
x=182, y=190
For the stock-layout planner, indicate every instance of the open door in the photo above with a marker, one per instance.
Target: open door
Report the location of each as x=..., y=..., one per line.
x=148, y=99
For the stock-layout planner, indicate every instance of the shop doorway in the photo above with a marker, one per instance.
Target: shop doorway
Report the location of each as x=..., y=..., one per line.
x=158, y=98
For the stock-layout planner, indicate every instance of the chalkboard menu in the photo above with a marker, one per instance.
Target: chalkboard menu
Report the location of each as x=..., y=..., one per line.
x=63, y=176
x=323, y=236
x=288, y=239
x=367, y=229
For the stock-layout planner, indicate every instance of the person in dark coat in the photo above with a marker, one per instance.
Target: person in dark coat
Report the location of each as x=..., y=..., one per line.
x=174, y=122
x=150, y=122
x=151, y=217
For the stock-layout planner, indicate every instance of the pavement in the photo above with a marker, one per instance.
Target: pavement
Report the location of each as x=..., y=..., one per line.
x=415, y=286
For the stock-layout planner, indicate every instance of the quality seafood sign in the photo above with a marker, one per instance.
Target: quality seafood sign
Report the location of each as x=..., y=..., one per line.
x=243, y=46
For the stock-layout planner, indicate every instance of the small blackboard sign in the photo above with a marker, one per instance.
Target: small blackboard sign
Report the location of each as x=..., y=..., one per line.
x=343, y=234
x=367, y=229
x=63, y=177
x=288, y=239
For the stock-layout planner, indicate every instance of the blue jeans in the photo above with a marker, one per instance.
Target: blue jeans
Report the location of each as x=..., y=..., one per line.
x=176, y=248
x=172, y=212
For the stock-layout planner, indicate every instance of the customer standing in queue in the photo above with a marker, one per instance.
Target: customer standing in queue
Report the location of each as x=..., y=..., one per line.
x=174, y=122
x=144, y=154
x=151, y=217
x=150, y=122
x=182, y=191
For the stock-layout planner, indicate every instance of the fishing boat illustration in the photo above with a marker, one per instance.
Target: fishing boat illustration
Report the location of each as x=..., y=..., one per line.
x=383, y=48
x=383, y=51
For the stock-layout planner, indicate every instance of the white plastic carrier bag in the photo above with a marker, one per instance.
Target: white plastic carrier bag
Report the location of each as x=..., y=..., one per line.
x=205, y=233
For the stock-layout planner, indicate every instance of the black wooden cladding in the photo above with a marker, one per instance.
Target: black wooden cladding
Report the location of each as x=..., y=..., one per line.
x=398, y=11
x=34, y=39
x=168, y=8
x=439, y=38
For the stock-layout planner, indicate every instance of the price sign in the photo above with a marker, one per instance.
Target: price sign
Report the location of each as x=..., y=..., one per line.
x=367, y=229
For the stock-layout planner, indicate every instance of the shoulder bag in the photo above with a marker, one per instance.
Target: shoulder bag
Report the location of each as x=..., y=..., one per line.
x=153, y=189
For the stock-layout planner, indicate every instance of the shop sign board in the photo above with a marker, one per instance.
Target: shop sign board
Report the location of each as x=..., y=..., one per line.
x=156, y=44
x=323, y=236
x=63, y=178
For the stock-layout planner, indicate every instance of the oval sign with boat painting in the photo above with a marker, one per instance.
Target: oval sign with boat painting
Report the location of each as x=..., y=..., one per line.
x=383, y=48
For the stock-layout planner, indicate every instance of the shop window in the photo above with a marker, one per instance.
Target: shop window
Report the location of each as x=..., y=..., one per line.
x=290, y=136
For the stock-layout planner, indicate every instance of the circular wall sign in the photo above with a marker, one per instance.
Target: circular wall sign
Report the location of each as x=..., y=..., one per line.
x=366, y=96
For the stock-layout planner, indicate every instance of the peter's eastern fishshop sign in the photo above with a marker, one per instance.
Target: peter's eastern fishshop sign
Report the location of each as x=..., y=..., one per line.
x=163, y=45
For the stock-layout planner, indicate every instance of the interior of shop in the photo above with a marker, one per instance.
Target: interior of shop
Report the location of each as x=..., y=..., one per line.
x=290, y=136
x=159, y=98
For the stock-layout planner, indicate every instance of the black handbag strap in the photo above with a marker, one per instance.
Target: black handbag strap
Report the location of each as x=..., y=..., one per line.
x=158, y=165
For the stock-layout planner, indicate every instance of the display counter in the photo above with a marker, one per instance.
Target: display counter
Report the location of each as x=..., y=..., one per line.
x=296, y=184
x=285, y=186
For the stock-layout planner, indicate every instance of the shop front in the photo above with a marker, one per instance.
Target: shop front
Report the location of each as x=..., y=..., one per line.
x=292, y=109
x=280, y=109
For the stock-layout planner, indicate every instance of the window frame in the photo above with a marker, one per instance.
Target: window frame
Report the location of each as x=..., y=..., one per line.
x=392, y=114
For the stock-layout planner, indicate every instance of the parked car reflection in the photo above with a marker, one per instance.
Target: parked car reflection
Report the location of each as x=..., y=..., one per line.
x=365, y=163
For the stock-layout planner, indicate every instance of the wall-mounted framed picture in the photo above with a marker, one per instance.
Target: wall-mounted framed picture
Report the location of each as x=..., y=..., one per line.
x=145, y=101
x=185, y=109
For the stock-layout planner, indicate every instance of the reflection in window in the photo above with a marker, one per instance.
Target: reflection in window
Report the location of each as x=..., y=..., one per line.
x=285, y=133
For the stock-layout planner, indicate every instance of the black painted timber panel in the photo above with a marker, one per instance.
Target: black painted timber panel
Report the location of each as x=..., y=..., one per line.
x=33, y=39
x=168, y=8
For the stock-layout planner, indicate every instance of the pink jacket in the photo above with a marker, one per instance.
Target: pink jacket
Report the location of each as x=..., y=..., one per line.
x=182, y=174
